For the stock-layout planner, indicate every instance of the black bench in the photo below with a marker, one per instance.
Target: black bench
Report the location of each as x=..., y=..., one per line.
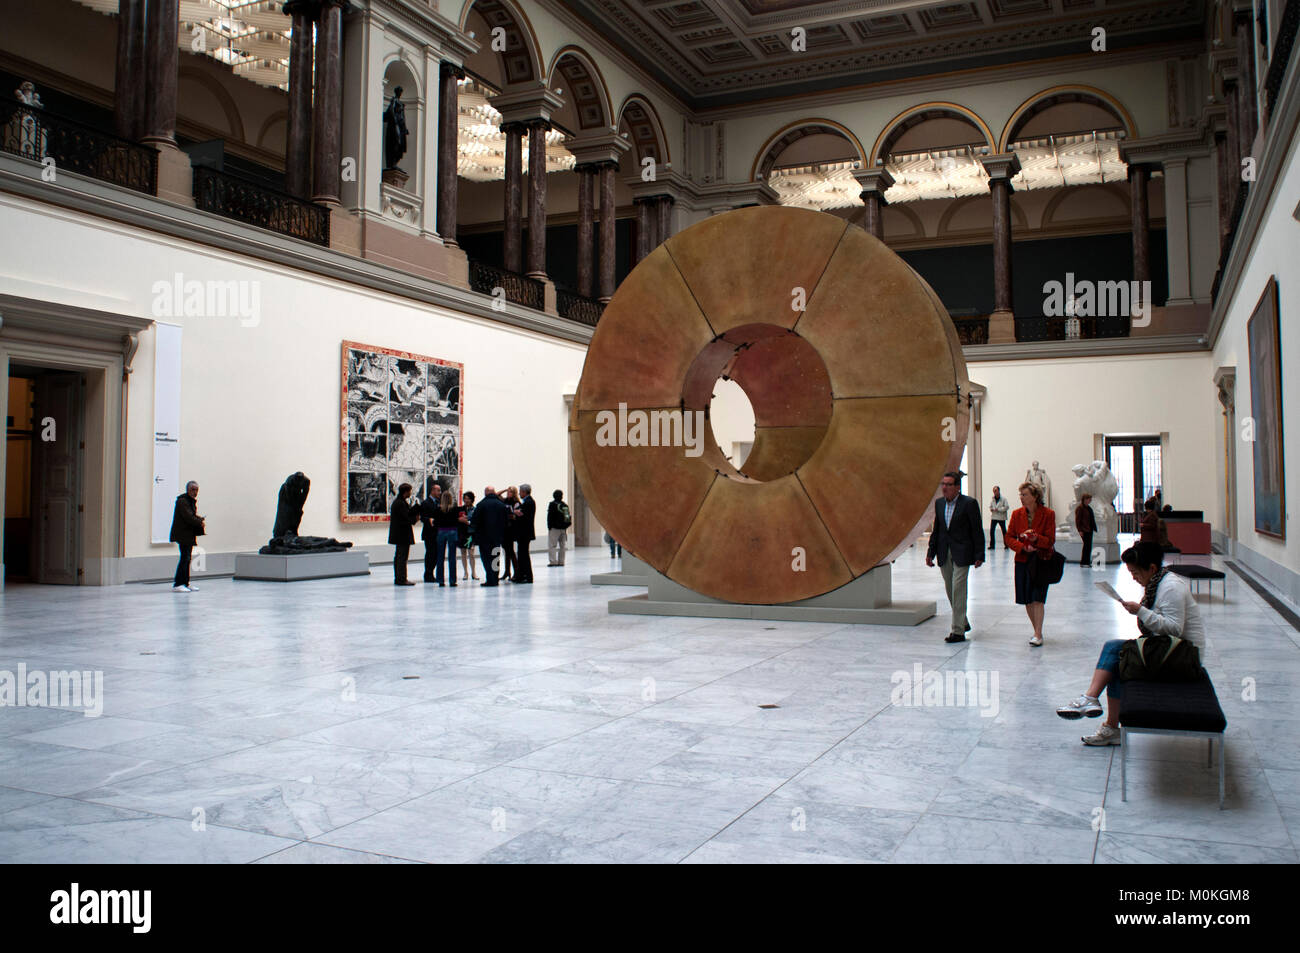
x=1194, y=574
x=1185, y=709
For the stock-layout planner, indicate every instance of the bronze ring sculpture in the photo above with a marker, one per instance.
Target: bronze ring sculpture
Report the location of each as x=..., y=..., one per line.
x=857, y=382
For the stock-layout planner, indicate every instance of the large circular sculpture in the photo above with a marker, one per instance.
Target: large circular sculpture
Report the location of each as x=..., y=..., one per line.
x=857, y=382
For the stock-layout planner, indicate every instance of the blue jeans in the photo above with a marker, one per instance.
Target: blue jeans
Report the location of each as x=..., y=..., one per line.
x=1109, y=661
x=446, y=546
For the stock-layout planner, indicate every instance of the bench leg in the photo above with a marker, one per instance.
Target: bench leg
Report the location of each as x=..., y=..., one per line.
x=1123, y=763
x=1222, y=739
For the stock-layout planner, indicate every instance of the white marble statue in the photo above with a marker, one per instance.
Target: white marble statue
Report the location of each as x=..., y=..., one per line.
x=1096, y=480
x=1038, y=476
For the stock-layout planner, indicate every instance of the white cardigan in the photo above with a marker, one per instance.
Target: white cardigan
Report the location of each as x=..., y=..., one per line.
x=1175, y=612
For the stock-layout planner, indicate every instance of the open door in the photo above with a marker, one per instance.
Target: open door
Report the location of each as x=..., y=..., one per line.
x=56, y=479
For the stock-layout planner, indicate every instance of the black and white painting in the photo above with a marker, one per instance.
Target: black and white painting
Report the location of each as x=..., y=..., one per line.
x=403, y=422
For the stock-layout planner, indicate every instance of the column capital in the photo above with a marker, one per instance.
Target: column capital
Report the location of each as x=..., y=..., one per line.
x=448, y=68
x=515, y=126
x=1002, y=167
x=876, y=180
x=605, y=146
x=309, y=8
x=526, y=102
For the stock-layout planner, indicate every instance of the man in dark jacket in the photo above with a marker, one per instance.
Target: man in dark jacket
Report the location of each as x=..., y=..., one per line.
x=400, y=520
x=1086, y=523
x=558, y=521
x=957, y=539
x=489, y=529
x=525, y=533
x=187, y=526
x=429, y=532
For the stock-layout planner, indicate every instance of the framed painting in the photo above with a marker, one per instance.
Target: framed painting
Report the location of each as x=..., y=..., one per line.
x=402, y=423
x=1264, y=335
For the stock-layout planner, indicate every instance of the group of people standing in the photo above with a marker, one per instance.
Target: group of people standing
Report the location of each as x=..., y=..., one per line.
x=502, y=527
x=957, y=543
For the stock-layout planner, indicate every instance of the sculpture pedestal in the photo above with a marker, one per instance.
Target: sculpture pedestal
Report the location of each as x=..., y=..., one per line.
x=633, y=573
x=301, y=567
x=1070, y=548
x=866, y=600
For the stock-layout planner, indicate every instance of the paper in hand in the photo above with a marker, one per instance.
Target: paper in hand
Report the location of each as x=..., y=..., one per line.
x=1109, y=590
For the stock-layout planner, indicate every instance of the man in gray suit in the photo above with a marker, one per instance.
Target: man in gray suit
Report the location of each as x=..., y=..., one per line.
x=957, y=540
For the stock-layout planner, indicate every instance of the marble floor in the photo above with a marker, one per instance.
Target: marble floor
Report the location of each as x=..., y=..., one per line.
x=349, y=721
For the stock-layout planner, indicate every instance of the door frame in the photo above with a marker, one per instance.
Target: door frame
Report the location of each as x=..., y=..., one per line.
x=69, y=430
x=100, y=345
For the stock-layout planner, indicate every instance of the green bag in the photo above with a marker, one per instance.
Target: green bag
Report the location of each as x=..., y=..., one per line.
x=1159, y=658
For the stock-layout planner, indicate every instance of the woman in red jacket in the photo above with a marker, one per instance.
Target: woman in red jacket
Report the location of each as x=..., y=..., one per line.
x=1031, y=532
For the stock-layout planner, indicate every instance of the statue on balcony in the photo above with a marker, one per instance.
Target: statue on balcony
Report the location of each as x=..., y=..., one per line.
x=394, y=131
x=24, y=134
x=285, y=540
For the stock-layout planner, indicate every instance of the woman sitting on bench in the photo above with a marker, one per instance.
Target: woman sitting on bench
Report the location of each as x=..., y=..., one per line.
x=1167, y=608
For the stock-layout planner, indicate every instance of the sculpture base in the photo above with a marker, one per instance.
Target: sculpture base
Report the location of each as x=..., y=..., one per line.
x=866, y=601
x=299, y=568
x=633, y=573
x=1070, y=549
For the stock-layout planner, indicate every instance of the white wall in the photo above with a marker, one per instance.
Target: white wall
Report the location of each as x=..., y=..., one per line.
x=260, y=402
x=1049, y=410
x=1274, y=255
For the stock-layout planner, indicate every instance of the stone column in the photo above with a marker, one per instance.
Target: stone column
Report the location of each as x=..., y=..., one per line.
x=297, y=147
x=128, y=83
x=607, y=213
x=874, y=182
x=327, y=114
x=448, y=156
x=1225, y=381
x=1001, y=169
x=643, y=227
x=663, y=227
x=586, y=190
x=1177, y=239
x=1246, y=79
x=1141, y=222
x=162, y=23
x=513, y=196
x=537, y=130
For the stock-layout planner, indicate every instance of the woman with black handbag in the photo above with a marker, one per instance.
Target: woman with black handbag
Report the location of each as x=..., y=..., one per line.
x=1032, y=534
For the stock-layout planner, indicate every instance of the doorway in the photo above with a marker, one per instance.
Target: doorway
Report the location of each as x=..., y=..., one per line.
x=1138, y=468
x=43, y=476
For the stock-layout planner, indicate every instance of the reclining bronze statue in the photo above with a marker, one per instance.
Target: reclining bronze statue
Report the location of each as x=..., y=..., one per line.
x=285, y=540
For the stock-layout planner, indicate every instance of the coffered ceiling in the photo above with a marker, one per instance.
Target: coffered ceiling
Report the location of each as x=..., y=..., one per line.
x=725, y=52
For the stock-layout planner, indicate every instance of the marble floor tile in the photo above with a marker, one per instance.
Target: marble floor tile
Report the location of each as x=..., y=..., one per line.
x=820, y=830
x=308, y=853
x=942, y=839
x=1140, y=849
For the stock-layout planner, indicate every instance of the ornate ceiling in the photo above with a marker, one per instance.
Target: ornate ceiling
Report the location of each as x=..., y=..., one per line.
x=724, y=52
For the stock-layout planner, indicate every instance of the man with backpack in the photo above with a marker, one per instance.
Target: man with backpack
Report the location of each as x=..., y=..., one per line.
x=1171, y=634
x=558, y=522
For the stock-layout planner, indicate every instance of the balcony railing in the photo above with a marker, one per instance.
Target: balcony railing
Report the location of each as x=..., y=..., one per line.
x=75, y=147
x=577, y=308
x=519, y=289
x=1234, y=221
x=972, y=330
x=1058, y=329
x=247, y=201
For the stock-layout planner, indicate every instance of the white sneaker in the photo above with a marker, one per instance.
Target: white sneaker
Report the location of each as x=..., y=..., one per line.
x=181, y=589
x=193, y=588
x=1036, y=640
x=1082, y=706
x=1104, y=735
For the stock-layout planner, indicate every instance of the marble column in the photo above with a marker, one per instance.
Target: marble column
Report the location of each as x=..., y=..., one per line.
x=1177, y=239
x=874, y=182
x=663, y=225
x=297, y=150
x=327, y=114
x=1246, y=80
x=162, y=24
x=128, y=81
x=448, y=155
x=1001, y=169
x=644, y=228
x=1141, y=221
x=607, y=233
x=537, y=130
x=586, y=239
x=513, y=200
